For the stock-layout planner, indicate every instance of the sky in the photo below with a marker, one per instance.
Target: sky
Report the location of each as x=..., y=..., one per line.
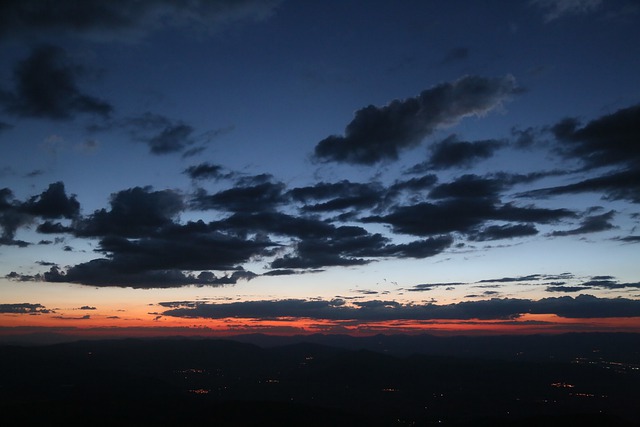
x=290, y=167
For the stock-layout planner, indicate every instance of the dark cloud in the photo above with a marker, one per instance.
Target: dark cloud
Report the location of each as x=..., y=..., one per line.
x=46, y=87
x=34, y=173
x=568, y=289
x=430, y=286
x=281, y=272
x=349, y=247
x=630, y=239
x=103, y=272
x=338, y=196
x=192, y=152
x=381, y=133
x=11, y=218
x=608, y=140
x=591, y=224
x=171, y=139
x=87, y=307
x=608, y=282
x=490, y=186
x=49, y=227
x=162, y=134
x=123, y=20
x=23, y=308
x=184, y=247
x=53, y=203
x=453, y=153
x=260, y=197
x=134, y=212
x=206, y=171
x=468, y=186
x=512, y=179
x=144, y=248
x=425, y=219
x=616, y=186
x=582, y=306
x=463, y=215
x=85, y=317
x=243, y=223
x=414, y=184
x=507, y=231
x=525, y=138
x=514, y=279
x=511, y=212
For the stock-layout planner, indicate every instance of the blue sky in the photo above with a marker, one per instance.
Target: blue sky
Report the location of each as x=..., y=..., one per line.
x=351, y=153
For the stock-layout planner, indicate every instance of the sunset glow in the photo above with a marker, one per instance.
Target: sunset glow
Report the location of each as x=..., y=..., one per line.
x=342, y=167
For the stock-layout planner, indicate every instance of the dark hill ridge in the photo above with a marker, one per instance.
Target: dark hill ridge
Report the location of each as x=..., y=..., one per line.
x=227, y=382
x=624, y=347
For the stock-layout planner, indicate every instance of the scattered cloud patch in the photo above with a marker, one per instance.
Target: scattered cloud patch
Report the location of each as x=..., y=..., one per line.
x=104, y=20
x=555, y=9
x=23, y=308
x=381, y=133
x=46, y=86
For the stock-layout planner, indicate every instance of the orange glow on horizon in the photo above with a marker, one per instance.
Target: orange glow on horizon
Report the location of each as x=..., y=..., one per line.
x=96, y=325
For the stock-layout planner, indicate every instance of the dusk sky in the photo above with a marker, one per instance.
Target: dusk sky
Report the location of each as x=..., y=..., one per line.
x=217, y=167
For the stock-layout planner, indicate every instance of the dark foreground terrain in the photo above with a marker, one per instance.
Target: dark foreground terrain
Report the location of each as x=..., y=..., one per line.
x=578, y=379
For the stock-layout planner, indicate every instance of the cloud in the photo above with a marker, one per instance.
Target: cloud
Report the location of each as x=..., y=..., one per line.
x=582, y=306
x=355, y=246
x=114, y=273
x=338, y=196
x=414, y=184
x=46, y=87
x=468, y=186
x=259, y=197
x=591, y=224
x=463, y=215
x=555, y=9
x=108, y=20
x=453, y=153
x=162, y=134
x=561, y=288
x=145, y=248
x=272, y=222
x=624, y=185
x=530, y=277
x=23, y=308
x=630, y=239
x=205, y=171
x=606, y=141
x=53, y=203
x=507, y=231
x=134, y=212
x=49, y=227
x=422, y=287
x=85, y=317
x=381, y=133
x=608, y=282
x=11, y=218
